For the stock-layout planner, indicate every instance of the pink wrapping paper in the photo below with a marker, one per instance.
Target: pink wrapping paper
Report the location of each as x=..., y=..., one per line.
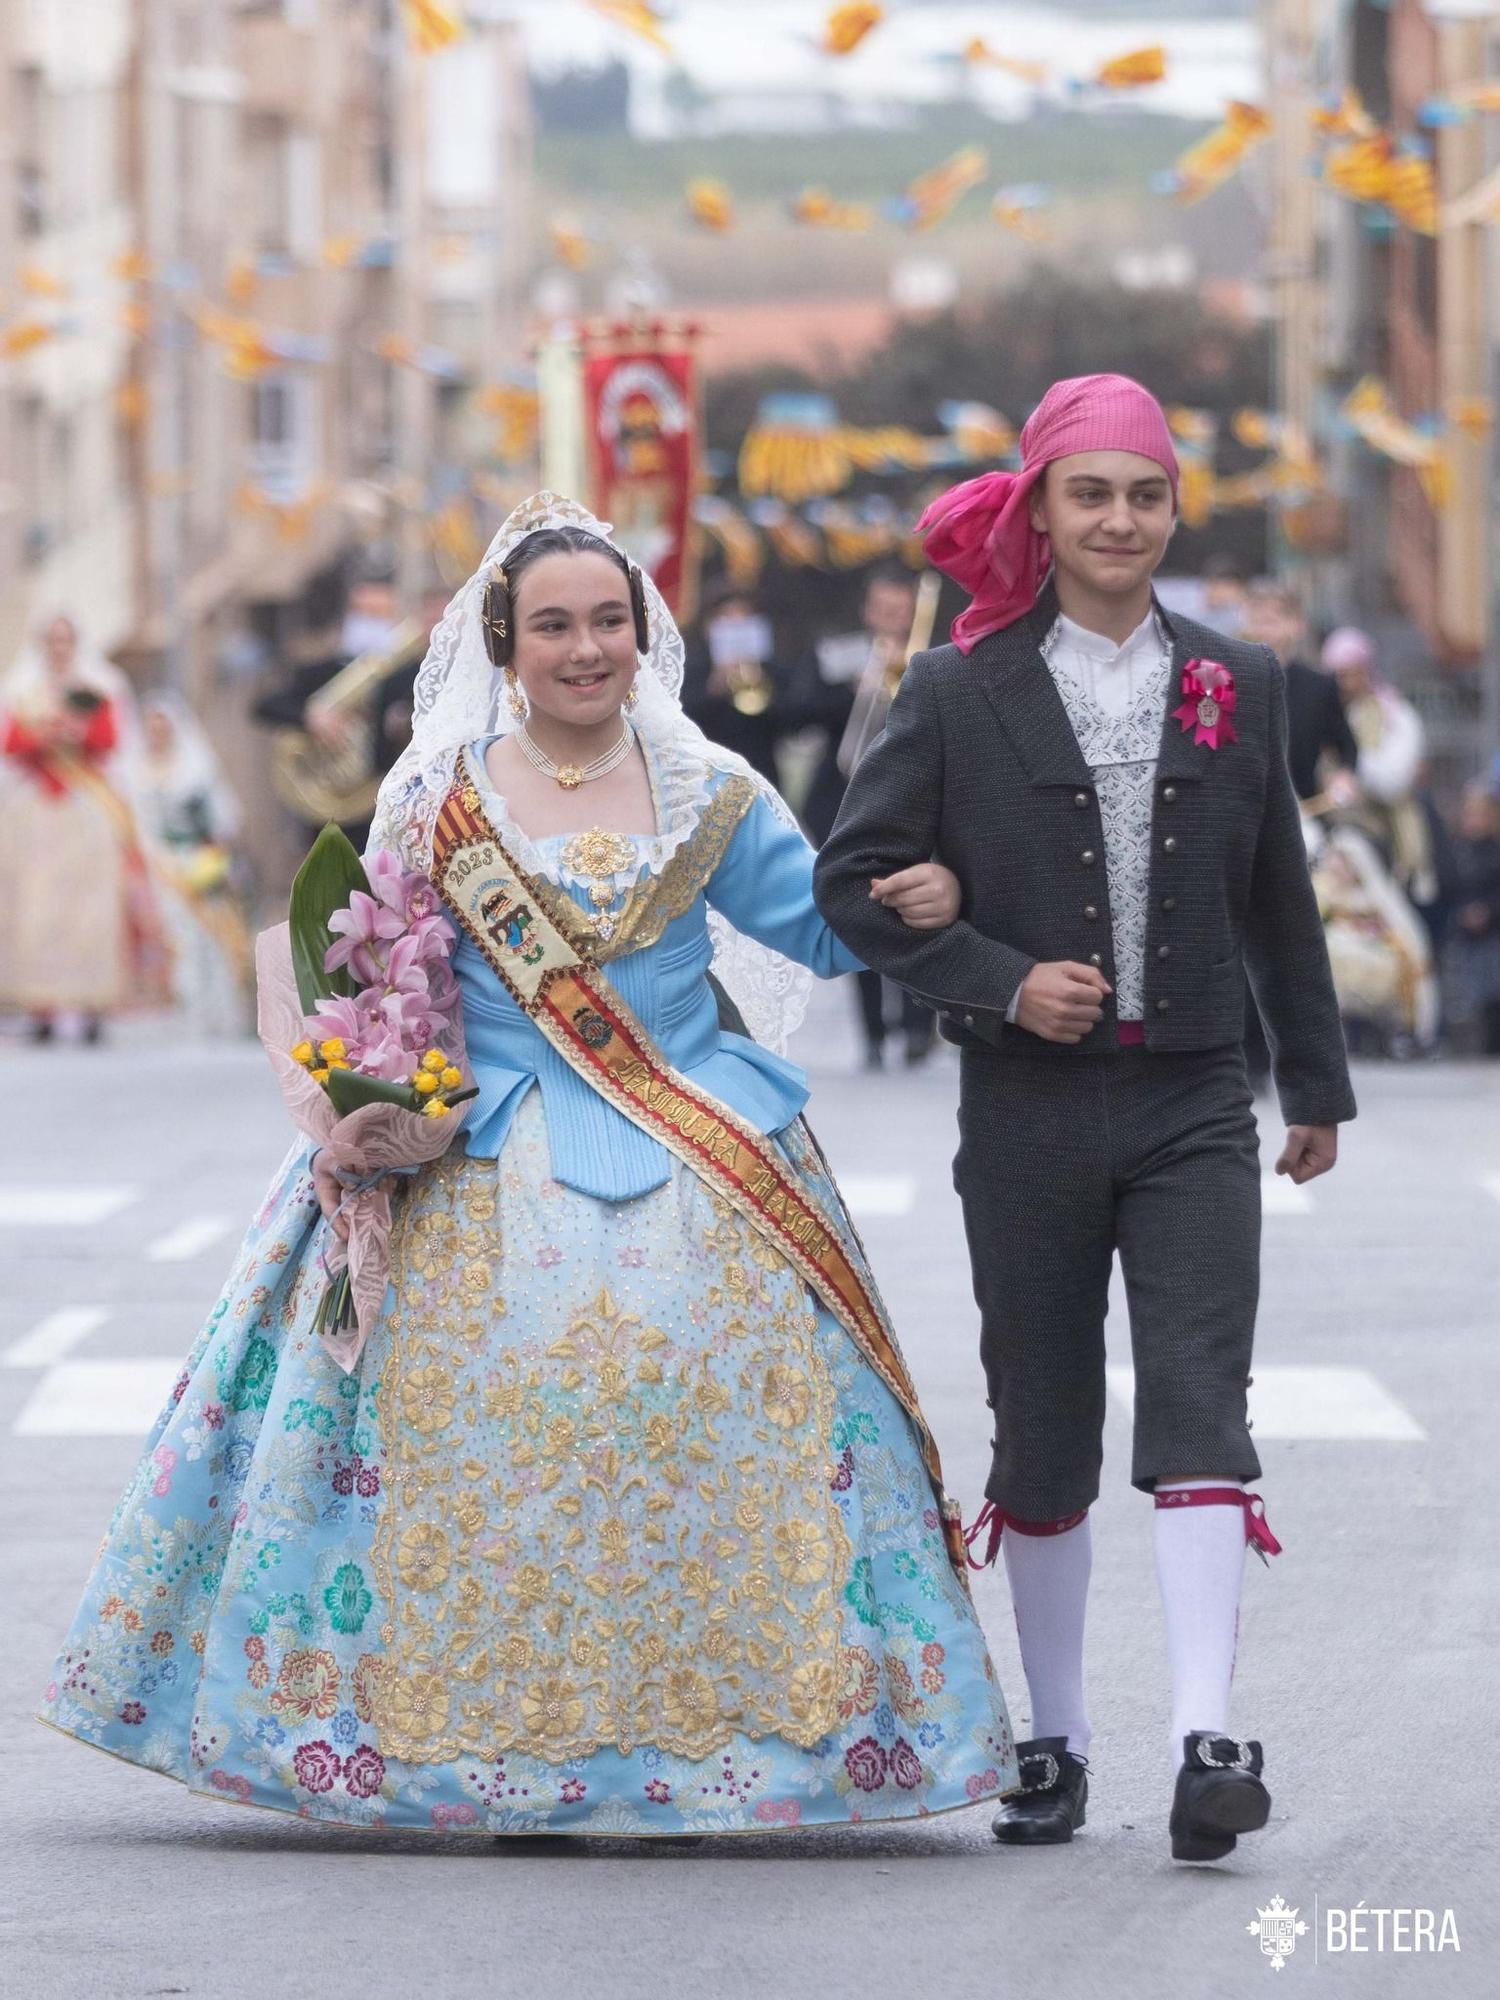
x=374, y=1140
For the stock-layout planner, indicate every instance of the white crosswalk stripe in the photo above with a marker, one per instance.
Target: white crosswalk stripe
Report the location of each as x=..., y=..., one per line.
x=188, y=1240
x=1326, y=1405
x=1491, y=1185
x=68, y=1207
x=98, y=1399
x=1279, y=1196
x=868, y=1196
x=53, y=1337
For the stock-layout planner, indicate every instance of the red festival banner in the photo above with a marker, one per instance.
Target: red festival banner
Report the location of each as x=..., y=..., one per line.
x=640, y=400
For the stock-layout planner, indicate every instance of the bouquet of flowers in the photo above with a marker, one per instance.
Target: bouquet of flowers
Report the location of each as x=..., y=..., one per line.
x=359, y=1014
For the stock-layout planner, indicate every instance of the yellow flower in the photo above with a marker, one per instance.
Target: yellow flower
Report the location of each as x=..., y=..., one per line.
x=785, y=1396
x=319, y=1075
x=303, y=1053
x=423, y=1556
x=333, y=1050
x=417, y=1705
x=424, y=1083
x=337, y=1062
x=812, y=1691
x=436, y=1061
x=451, y=1078
x=551, y=1709
x=434, y=1108
x=427, y=1399
x=690, y=1702
x=800, y=1552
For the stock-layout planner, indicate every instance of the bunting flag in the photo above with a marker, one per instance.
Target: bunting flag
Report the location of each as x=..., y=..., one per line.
x=639, y=16
x=798, y=451
x=1383, y=173
x=743, y=550
x=24, y=334
x=815, y=208
x=1016, y=209
x=432, y=25
x=933, y=196
x=572, y=244
x=1221, y=153
x=1471, y=416
x=711, y=205
x=518, y=413
x=847, y=27
x=1454, y=106
x=240, y=280
x=1344, y=117
x=132, y=267
x=1132, y=71
x=980, y=53
x=339, y=252
x=1372, y=415
x=247, y=351
x=41, y=283
x=1196, y=428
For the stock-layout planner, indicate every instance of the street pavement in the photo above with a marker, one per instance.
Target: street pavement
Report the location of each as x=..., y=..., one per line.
x=1367, y=1651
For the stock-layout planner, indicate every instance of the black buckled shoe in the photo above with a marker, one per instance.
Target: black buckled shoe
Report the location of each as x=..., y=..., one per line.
x=1219, y=1796
x=1054, y=1795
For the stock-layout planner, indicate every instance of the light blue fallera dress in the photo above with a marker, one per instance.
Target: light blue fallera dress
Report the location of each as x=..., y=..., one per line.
x=613, y=1530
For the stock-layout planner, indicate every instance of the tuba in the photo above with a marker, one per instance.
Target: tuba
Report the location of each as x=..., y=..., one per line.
x=317, y=783
x=881, y=678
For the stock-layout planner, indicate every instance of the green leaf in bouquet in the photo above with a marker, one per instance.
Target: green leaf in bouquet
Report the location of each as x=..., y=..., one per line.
x=349, y=1091
x=324, y=883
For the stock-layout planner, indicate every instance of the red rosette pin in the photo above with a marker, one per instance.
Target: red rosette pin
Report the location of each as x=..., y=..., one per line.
x=1208, y=703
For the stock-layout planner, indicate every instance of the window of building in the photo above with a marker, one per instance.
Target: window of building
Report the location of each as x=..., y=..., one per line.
x=284, y=455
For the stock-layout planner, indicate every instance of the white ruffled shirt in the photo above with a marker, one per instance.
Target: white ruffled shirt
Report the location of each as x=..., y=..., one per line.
x=1116, y=697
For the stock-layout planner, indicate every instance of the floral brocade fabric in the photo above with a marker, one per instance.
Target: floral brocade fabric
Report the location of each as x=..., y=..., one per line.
x=613, y=1532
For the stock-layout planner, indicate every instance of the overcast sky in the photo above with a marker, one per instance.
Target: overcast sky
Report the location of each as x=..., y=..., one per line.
x=771, y=45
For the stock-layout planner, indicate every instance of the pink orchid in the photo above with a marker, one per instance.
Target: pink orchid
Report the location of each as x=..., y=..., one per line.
x=360, y=929
x=348, y=1021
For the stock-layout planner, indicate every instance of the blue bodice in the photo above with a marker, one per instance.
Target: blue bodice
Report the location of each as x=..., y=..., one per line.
x=760, y=881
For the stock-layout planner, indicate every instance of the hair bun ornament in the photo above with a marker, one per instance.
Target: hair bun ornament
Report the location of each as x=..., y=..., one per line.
x=495, y=619
x=638, y=608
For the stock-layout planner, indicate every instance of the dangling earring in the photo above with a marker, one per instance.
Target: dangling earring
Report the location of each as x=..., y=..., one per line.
x=632, y=699
x=515, y=701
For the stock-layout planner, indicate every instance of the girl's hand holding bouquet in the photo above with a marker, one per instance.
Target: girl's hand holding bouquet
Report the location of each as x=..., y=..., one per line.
x=359, y=1013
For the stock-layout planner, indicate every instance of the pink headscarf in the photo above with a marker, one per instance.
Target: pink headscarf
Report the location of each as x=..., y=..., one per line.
x=980, y=533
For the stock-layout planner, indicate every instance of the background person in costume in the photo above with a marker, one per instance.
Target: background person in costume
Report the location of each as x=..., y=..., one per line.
x=81, y=936
x=1111, y=787
x=616, y=1527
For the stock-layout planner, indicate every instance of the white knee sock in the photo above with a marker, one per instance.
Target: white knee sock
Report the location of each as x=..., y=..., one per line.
x=1049, y=1587
x=1200, y=1562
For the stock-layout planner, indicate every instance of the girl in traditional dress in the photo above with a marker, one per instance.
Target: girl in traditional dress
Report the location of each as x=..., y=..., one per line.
x=627, y=1521
x=81, y=933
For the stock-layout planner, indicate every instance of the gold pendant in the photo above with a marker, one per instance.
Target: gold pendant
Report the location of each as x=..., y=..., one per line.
x=569, y=777
x=1208, y=712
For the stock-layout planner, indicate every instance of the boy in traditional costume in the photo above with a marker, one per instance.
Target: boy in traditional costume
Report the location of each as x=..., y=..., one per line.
x=1110, y=785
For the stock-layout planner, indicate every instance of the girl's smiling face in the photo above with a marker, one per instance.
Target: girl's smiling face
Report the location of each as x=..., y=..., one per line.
x=575, y=651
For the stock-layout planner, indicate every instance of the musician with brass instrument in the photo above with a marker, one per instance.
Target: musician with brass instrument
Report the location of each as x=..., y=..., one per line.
x=857, y=677
x=731, y=682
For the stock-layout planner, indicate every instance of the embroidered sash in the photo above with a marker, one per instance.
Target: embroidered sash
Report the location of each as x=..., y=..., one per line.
x=551, y=974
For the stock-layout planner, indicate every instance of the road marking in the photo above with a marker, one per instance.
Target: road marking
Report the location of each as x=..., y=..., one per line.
x=98, y=1399
x=187, y=1240
x=1333, y=1405
x=870, y=1195
x=1280, y=1196
x=68, y=1207
x=51, y=1338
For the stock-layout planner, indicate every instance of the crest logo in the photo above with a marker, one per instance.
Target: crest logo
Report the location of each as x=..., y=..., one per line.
x=1278, y=1929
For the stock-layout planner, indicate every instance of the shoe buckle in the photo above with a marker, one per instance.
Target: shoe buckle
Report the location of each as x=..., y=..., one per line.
x=1206, y=1746
x=1051, y=1771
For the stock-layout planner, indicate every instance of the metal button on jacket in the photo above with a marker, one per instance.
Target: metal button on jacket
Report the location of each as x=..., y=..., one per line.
x=1162, y=1006
x=1169, y=902
x=1080, y=799
x=1087, y=857
x=1164, y=951
x=1170, y=843
x=968, y=1020
x=1091, y=912
x=1096, y=958
x=1169, y=793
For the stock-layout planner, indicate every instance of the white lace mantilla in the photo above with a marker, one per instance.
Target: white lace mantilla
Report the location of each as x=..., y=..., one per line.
x=1121, y=752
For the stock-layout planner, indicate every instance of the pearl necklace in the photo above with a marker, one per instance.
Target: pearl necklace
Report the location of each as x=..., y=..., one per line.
x=571, y=776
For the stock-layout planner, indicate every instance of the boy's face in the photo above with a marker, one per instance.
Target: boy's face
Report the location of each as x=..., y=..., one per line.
x=1108, y=515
